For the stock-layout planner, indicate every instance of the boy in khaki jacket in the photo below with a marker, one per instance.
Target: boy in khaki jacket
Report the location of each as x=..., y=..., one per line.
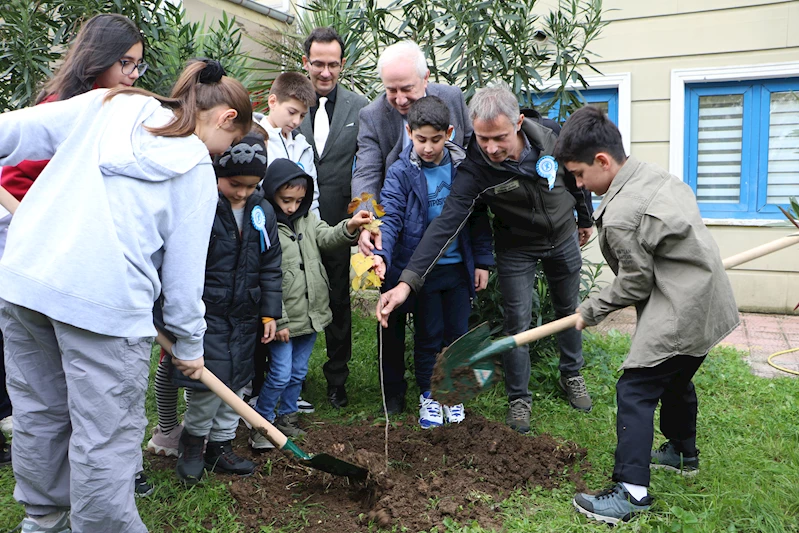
x=667, y=265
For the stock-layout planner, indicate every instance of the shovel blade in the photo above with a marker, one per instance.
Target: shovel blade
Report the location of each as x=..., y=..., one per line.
x=457, y=377
x=331, y=465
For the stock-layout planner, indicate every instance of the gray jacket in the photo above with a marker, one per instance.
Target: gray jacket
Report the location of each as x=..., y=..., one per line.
x=666, y=264
x=380, y=141
x=334, y=165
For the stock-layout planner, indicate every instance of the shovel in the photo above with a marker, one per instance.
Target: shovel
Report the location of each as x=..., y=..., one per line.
x=467, y=366
x=319, y=461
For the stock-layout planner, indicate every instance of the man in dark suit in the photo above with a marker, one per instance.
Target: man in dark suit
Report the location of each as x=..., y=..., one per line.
x=332, y=130
x=403, y=69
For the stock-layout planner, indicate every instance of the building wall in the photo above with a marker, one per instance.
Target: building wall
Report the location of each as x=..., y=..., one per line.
x=650, y=40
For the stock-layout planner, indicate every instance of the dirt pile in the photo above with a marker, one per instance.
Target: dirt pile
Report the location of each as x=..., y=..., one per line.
x=460, y=471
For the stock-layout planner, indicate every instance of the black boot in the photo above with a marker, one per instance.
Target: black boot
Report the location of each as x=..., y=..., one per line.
x=5, y=451
x=219, y=457
x=190, y=458
x=337, y=396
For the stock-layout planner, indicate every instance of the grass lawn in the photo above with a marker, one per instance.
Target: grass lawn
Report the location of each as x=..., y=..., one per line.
x=748, y=437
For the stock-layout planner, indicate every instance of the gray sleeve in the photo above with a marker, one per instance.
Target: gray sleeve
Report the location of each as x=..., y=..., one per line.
x=369, y=167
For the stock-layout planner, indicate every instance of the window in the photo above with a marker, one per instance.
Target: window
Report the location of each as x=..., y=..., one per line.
x=605, y=99
x=742, y=146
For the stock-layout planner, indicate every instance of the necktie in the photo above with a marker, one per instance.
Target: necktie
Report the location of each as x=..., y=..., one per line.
x=321, y=126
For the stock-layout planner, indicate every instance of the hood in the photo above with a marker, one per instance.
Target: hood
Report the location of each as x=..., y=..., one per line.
x=141, y=154
x=456, y=154
x=280, y=172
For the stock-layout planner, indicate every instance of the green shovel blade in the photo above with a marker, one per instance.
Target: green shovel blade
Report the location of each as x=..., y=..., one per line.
x=467, y=367
x=326, y=463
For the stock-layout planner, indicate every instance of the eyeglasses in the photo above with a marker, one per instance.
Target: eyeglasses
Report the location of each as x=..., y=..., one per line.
x=129, y=66
x=320, y=66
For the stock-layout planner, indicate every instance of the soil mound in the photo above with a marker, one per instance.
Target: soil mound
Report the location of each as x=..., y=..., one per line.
x=458, y=471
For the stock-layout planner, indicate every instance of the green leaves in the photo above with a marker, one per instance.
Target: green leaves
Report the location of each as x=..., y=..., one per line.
x=35, y=34
x=468, y=43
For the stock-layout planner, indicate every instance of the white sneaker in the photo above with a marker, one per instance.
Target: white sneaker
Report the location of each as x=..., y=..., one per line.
x=165, y=444
x=7, y=425
x=259, y=442
x=455, y=414
x=430, y=415
x=304, y=406
x=57, y=522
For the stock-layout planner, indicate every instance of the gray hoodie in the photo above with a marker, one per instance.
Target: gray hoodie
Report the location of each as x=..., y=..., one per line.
x=114, y=206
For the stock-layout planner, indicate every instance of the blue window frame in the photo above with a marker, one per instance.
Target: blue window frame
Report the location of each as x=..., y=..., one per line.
x=606, y=99
x=742, y=147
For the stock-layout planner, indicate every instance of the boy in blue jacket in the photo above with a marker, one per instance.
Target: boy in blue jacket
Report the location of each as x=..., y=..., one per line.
x=414, y=192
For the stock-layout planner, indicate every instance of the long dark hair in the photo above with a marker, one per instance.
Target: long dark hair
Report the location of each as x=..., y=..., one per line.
x=100, y=43
x=201, y=86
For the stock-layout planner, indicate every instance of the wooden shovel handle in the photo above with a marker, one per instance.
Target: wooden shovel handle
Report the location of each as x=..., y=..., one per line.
x=229, y=397
x=556, y=326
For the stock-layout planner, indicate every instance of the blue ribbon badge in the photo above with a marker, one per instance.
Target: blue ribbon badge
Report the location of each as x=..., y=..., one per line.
x=547, y=168
x=258, y=218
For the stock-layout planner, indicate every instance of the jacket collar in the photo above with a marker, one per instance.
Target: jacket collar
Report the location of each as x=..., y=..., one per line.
x=539, y=137
x=622, y=177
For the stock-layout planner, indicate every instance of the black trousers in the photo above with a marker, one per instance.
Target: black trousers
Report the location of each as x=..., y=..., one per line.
x=338, y=335
x=638, y=392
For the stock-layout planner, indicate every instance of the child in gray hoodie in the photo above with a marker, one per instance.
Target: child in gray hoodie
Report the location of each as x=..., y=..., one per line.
x=129, y=192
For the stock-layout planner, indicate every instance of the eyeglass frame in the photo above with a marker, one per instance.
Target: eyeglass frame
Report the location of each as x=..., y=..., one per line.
x=332, y=67
x=141, y=66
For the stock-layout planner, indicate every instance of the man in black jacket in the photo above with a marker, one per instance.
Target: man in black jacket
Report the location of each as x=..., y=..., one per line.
x=509, y=168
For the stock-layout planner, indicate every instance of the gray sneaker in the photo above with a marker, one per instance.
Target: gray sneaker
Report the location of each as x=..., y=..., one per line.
x=259, y=442
x=29, y=525
x=289, y=425
x=668, y=458
x=576, y=391
x=518, y=415
x=612, y=505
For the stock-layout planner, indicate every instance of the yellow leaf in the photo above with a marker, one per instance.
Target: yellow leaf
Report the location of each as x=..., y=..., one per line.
x=373, y=226
x=356, y=283
x=372, y=278
x=360, y=263
x=379, y=209
x=365, y=196
x=353, y=205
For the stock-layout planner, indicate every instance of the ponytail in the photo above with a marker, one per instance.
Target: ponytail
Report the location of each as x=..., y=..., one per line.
x=201, y=86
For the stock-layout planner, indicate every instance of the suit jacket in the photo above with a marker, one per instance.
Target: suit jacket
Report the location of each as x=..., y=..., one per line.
x=380, y=141
x=334, y=165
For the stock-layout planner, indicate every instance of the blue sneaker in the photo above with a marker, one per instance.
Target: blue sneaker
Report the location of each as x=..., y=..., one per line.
x=612, y=505
x=430, y=413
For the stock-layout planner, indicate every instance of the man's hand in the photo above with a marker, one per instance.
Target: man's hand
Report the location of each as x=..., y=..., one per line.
x=480, y=279
x=269, y=332
x=584, y=234
x=391, y=300
x=282, y=335
x=380, y=267
x=192, y=369
x=365, y=245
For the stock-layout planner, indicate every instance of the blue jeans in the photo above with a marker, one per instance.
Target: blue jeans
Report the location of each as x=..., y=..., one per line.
x=516, y=269
x=440, y=315
x=288, y=365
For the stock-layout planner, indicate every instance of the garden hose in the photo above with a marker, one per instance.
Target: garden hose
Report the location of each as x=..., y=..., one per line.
x=778, y=367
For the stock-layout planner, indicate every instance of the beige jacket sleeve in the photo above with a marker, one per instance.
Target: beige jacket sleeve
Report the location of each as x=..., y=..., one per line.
x=633, y=261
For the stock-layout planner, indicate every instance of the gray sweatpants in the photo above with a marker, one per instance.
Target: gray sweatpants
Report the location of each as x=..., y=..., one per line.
x=208, y=416
x=78, y=419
